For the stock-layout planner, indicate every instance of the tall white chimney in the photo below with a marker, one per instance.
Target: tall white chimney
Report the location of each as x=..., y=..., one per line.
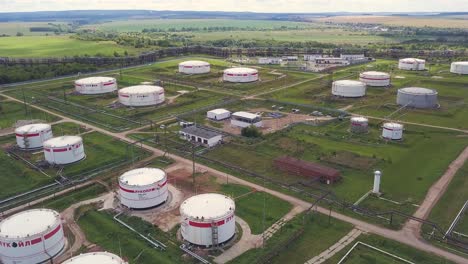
x=377, y=175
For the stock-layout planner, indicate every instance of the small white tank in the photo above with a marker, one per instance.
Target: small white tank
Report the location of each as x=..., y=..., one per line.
x=64, y=150
x=141, y=95
x=33, y=136
x=240, y=75
x=96, y=85
x=194, y=67
x=374, y=78
x=348, y=88
x=392, y=131
x=359, y=124
x=412, y=64
x=143, y=188
x=205, y=214
x=459, y=67
x=96, y=258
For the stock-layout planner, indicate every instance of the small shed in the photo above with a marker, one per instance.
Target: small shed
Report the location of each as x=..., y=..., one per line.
x=218, y=114
x=201, y=135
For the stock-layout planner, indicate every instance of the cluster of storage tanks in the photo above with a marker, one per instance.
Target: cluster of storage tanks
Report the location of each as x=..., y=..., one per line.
x=390, y=130
x=57, y=150
x=354, y=89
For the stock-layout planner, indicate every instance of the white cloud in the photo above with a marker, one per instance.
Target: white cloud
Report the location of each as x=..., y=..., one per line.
x=306, y=6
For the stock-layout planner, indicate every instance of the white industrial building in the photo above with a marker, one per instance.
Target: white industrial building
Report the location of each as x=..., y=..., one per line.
x=392, y=131
x=218, y=114
x=348, y=88
x=412, y=64
x=459, y=67
x=143, y=188
x=141, y=95
x=312, y=57
x=194, y=67
x=359, y=124
x=375, y=78
x=246, y=119
x=64, y=150
x=290, y=58
x=95, y=258
x=269, y=60
x=208, y=219
x=96, y=85
x=32, y=236
x=201, y=135
x=353, y=57
x=240, y=75
x=33, y=136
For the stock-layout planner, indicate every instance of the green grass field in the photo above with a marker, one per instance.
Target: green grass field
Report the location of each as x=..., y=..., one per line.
x=365, y=255
x=12, y=28
x=57, y=46
x=11, y=112
x=62, y=202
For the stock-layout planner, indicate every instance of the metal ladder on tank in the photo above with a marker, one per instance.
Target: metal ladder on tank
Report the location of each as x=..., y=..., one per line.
x=214, y=234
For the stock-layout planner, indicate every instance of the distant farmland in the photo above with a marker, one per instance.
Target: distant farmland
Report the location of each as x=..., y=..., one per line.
x=400, y=21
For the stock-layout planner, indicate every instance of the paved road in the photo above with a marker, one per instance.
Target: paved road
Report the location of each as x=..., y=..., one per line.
x=403, y=236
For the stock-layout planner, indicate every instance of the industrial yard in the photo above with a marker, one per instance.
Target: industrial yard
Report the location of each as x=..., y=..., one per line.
x=205, y=154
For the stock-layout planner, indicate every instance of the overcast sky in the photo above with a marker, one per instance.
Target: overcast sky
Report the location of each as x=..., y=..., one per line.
x=309, y=6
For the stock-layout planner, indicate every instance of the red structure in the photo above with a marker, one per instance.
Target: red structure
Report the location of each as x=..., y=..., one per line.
x=308, y=169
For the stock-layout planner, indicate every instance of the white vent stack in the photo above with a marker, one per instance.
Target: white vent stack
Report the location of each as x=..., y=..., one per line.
x=459, y=67
x=240, y=75
x=392, y=131
x=377, y=175
x=33, y=136
x=194, y=67
x=32, y=236
x=375, y=78
x=96, y=85
x=96, y=258
x=348, y=88
x=64, y=150
x=412, y=64
x=143, y=188
x=141, y=95
x=208, y=219
x=359, y=124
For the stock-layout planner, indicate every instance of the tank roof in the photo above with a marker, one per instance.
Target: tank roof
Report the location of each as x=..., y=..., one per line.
x=219, y=111
x=142, y=176
x=240, y=70
x=349, y=82
x=460, y=63
x=417, y=91
x=62, y=141
x=194, y=63
x=412, y=60
x=393, y=125
x=137, y=89
x=28, y=223
x=245, y=115
x=208, y=206
x=95, y=258
x=32, y=128
x=359, y=119
x=375, y=73
x=93, y=80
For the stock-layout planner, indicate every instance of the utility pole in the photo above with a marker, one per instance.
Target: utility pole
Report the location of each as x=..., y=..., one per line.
x=193, y=166
x=165, y=139
x=24, y=101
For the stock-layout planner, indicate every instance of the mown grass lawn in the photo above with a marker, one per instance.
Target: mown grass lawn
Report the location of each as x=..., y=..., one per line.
x=12, y=111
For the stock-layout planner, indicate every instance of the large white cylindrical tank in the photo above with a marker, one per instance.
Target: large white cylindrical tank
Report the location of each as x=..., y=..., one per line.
x=64, y=150
x=348, y=88
x=143, y=188
x=417, y=97
x=96, y=85
x=240, y=75
x=392, y=131
x=141, y=95
x=359, y=124
x=205, y=214
x=194, y=67
x=375, y=78
x=412, y=64
x=32, y=236
x=459, y=67
x=33, y=136
x=96, y=258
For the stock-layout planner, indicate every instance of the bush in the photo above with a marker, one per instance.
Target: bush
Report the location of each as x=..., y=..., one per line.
x=251, y=131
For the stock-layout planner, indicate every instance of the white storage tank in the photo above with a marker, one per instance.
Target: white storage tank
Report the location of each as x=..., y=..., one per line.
x=459, y=67
x=64, y=150
x=194, y=67
x=412, y=64
x=240, y=75
x=375, y=78
x=96, y=258
x=348, y=88
x=392, y=131
x=32, y=236
x=143, y=188
x=96, y=85
x=141, y=95
x=417, y=97
x=359, y=124
x=33, y=136
x=218, y=114
x=205, y=214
